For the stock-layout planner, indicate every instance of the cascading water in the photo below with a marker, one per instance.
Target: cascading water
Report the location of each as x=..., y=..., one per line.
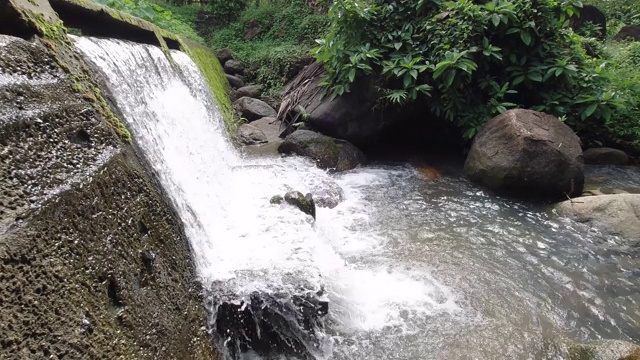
x=413, y=269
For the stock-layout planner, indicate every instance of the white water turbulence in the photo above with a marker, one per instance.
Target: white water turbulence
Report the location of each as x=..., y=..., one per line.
x=410, y=268
x=243, y=245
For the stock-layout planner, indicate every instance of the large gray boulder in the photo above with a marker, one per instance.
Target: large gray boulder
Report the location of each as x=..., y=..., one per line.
x=617, y=214
x=253, y=109
x=628, y=32
x=349, y=117
x=327, y=152
x=251, y=135
x=524, y=152
x=605, y=156
x=590, y=15
x=250, y=90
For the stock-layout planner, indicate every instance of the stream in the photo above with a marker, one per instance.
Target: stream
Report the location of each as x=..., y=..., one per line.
x=412, y=266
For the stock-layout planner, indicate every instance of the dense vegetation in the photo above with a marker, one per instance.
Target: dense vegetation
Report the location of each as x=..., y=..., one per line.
x=467, y=60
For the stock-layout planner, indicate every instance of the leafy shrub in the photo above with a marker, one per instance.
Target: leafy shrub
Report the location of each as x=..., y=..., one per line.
x=469, y=61
x=156, y=14
x=619, y=11
x=287, y=33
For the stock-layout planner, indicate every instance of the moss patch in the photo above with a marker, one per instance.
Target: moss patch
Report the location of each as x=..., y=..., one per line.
x=214, y=74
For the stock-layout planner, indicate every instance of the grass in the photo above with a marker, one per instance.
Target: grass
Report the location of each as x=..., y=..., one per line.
x=288, y=30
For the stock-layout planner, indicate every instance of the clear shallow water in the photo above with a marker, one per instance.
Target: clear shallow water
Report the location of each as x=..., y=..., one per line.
x=414, y=268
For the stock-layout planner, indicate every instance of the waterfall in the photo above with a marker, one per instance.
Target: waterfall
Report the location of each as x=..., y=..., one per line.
x=403, y=268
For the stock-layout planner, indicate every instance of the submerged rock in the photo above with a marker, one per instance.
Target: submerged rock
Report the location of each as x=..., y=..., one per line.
x=605, y=156
x=528, y=153
x=617, y=214
x=251, y=135
x=253, y=109
x=303, y=202
x=327, y=152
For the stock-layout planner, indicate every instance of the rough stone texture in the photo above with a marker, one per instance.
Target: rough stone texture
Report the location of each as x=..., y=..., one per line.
x=605, y=156
x=327, y=152
x=617, y=214
x=224, y=55
x=270, y=127
x=234, y=81
x=253, y=91
x=251, y=30
x=253, y=109
x=590, y=14
x=628, y=32
x=303, y=202
x=524, y=152
x=251, y=135
x=349, y=117
x=93, y=262
x=233, y=67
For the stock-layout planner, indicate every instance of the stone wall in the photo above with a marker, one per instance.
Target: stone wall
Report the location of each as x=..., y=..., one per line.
x=93, y=260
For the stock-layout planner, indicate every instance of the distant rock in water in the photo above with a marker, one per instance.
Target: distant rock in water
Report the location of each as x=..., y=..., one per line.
x=605, y=156
x=617, y=214
x=303, y=202
x=327, y=152
x=527, y=153
x=604, y=350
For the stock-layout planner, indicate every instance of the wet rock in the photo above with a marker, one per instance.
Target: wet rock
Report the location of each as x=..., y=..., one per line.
x=234, y=81
x=527, y=153
x=327, y=152
x=605, y=156
x=303, y=202
x=328, y=194
x=224, y=55
x=617, y=214
x=270, y=324
x=276, y=199
x=253, y=109
x=590, y=14
x=592, y=192
x=251, y=135
x=233, y=67
x=628, y=32
x=250, y=91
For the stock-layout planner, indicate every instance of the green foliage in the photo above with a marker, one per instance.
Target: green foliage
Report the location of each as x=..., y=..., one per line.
x=472, y=60
x=287, y=33
x=158, y=14
x=618, y=12
x=214, y=74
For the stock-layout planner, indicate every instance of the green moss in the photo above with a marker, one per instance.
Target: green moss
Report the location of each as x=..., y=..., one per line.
x=214, y=74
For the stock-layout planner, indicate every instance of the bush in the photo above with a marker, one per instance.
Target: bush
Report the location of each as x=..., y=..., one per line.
x=288, y=30
x=619, y=12
x=157, y=14
x=469, y=61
